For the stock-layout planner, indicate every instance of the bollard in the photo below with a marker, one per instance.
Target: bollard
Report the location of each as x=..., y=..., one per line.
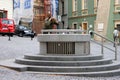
x=9, y=36
x=32, y=36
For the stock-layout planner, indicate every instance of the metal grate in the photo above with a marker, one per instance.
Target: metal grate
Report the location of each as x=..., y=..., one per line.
x=60, y=48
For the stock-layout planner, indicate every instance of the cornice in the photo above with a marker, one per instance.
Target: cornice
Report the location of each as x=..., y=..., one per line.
x=82, y=16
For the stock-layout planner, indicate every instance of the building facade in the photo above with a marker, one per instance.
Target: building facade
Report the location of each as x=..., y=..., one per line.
x=63, y=13
x=82, y=14
x=39, y=16
x=31, y=13
x=41, y=10
x=7, y=5
x=100, y=16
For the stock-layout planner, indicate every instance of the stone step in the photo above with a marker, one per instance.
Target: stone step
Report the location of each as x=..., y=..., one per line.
x=108, y=69
x=112, y=71
x=63, y=57
x=63, y=63
x=75, y=69
x=109, y=73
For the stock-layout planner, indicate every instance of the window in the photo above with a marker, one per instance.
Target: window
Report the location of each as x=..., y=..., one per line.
x=74, y=5
x=84, y=7
x=10, y=22
x=84, y=4
x=74, y=25
x=118, y=27
x=117, y=1
x=27, y=4
x=36, y=11
x=96, y=3
x=63, y=8
x=117, y=5
x=7, y=21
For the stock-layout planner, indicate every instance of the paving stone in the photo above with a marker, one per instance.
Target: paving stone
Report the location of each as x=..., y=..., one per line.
x=19, y=46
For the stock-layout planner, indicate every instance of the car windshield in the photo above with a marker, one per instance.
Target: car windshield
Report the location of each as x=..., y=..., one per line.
x=7, y=21
x=23, y=27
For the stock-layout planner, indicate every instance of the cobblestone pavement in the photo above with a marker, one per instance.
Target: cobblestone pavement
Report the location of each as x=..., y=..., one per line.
x=19, y=46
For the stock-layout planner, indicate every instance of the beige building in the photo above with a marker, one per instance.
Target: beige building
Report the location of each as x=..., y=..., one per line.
x=100, y=16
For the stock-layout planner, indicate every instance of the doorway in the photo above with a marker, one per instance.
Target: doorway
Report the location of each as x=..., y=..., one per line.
x=118, y=27
x=85, y=27
x=74, y=25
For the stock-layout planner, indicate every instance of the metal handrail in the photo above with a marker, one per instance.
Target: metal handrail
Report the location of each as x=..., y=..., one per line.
x=102, y=46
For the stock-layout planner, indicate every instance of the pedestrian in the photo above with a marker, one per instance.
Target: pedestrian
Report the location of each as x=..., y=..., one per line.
x=68, y=27
x=115, y=35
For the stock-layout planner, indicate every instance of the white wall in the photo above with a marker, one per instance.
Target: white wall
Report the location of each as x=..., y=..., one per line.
x=7, y=5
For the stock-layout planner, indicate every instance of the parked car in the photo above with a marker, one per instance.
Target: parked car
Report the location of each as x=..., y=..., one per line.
x=7, y=26
x=24, y=31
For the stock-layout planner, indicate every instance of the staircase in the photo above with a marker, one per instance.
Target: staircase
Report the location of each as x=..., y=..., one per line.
x=81, y=63
x=73, y=65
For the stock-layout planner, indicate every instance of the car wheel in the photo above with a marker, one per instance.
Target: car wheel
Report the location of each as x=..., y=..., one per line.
x=3, y=34
x=21, y=34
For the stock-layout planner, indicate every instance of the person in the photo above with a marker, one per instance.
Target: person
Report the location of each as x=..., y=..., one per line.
x=68, y=27
x=53, y=23
x=115, y=35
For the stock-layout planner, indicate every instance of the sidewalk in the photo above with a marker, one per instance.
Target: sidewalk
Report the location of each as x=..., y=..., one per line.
x=96, y=49
x=19, y=46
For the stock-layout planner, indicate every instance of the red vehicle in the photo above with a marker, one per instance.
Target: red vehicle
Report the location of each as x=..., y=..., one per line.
x=7, y=26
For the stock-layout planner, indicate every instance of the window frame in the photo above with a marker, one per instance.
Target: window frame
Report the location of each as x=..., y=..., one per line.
x=96, y=3
x=84, y=4
x=74, y=5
